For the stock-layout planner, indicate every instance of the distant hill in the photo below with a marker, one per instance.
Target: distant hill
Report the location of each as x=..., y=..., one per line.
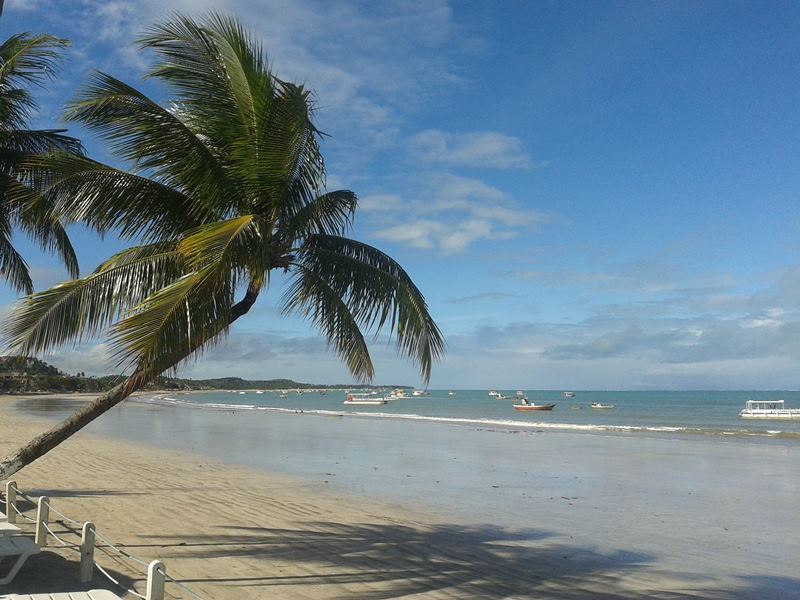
x=20, y=374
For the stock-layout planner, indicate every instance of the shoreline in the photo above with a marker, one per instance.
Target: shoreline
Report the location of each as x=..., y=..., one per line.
x=570, y=527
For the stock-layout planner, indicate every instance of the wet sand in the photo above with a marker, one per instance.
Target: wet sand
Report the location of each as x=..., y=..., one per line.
x=447, y=513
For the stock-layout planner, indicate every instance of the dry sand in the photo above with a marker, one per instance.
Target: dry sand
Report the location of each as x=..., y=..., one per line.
x=235, y=533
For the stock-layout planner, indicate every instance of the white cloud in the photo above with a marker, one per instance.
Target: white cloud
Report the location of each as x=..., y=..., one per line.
x=486, y=149
x=379, y=203
x=448, y=214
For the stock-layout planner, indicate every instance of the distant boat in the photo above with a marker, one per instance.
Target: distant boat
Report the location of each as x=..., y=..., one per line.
x=768, y=409
x=451, y=393
x=420, y=393
x=493, y=393
x=364, y=400
x=259, y=392
x=397, y=393
x=242, y=392
x=521, y=402
x=601, y=405
x=569, y=394
x=284, y=394
x=533, y=406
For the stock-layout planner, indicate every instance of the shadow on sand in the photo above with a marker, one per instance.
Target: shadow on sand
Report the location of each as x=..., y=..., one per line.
x=50, y=572
x=373, y=561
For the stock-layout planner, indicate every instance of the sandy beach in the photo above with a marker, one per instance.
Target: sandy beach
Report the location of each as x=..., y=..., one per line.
x=582, y=532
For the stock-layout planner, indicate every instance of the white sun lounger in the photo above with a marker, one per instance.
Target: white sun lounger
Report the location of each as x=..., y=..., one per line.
x=90, y=595
x=17, y=546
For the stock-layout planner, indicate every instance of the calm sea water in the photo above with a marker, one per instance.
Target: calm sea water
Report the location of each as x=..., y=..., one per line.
x=692, y=413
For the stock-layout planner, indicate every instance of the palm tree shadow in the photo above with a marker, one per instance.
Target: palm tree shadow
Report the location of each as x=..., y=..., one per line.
x=378, y=561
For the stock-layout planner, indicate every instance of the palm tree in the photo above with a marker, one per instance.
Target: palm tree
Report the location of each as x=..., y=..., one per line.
x=27, y=60
x=227, y=187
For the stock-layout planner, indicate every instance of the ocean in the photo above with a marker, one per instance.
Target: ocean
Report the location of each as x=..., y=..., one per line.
x=712, y=413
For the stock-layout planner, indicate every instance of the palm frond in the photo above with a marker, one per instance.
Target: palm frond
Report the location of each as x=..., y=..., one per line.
x=51, y=236
x=228, y=245
x=312, y=297
x=13, y=267
x=17, y=146
x=378, y=293
x=218, y=70
x=185, y=316
x=29, y=210
x=105, y=198
x=293, y=166
x=171, y=321
x=331, y=213
x=25, y=59
x=81, y=308
x=154, y=140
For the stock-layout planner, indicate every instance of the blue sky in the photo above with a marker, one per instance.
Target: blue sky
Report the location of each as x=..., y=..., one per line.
x=590, y=195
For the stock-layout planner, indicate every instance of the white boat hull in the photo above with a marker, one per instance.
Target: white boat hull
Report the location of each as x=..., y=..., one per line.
x=785, y=414
x=366, y=402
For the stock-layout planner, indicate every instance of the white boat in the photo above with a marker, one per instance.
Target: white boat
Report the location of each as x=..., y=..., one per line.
x=493, y=393
x=364, y=400
x=420, y=393
x=451, y=393
x=259, y=392
x=569, y=394
x=397, y=393
x=768, y=409
x=601, y=405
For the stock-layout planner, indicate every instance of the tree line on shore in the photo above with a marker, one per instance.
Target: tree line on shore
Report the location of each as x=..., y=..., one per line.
x=20, y=374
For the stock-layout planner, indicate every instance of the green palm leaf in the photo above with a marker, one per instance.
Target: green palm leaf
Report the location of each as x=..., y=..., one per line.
x=107, y=198
x=82, y=308
x=376, y=290
x=155, y=140
x=313, y=297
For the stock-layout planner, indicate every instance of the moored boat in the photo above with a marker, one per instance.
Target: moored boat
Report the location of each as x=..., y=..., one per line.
x=768, y=409
x=601, y=405
x=364, y=400
x=569, y=394
x=534, y=406
x=521, y=402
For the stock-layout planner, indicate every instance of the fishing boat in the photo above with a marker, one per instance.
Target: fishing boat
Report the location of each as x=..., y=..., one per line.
x=493, y=393
x=601, y=405
x=420, y=393
x=451, y=393
x=534, y=406
x=521, y=402
x=768, y=409
x=569, y=394
x=364, y=400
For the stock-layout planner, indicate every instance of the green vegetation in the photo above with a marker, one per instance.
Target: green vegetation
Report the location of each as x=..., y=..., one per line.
x=22, y=374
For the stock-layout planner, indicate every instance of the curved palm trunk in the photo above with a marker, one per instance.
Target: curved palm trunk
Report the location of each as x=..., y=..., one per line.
x=42, y=444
